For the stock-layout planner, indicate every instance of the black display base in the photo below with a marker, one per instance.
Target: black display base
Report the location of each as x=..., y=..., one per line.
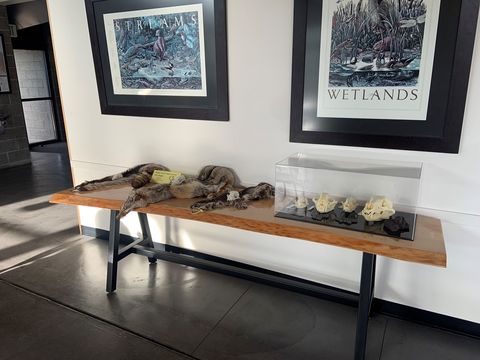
x=350, y=221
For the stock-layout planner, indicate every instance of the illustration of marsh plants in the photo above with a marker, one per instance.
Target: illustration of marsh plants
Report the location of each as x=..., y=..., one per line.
x=377, y=43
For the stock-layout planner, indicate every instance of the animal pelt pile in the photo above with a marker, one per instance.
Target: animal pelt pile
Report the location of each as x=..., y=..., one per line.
x=218, y=185
x=236, y=199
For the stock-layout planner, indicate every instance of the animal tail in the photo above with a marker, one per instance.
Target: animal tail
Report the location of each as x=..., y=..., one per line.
x=108, y=181
x=132, y=171
x=140, y=180
x=144, y=171
x=100, y=184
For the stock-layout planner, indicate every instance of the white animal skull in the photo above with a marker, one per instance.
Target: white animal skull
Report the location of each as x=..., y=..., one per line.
x=350, y=204
x=378, y=209
x=325, y=203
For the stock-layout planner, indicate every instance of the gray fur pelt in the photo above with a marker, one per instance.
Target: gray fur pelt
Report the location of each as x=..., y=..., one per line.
x=137, y=177
x=142, y=197
x=210, y=182
x=261, y=191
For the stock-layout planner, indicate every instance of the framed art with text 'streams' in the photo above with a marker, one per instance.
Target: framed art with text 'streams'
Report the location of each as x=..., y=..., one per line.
x=160, y=58
x=382, y=73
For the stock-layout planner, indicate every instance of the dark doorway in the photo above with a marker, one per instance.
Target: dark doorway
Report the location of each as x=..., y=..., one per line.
x=38, y=84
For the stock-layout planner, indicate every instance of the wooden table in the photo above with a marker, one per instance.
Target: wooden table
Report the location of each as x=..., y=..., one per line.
x=428, y=247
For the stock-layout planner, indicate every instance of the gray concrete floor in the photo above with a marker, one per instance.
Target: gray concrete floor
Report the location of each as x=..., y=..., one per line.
x=53, y=304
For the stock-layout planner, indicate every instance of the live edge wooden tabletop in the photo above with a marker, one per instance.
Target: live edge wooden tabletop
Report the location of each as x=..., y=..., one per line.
x=427, y=248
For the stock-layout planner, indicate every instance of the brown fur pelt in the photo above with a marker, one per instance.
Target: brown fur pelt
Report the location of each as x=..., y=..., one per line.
x=137, y=176
x=212, y=182
x=261, y=191
x=212, y=174
x=149, y=194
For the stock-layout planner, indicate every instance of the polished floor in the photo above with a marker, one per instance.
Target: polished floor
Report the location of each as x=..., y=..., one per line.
x=53, y=304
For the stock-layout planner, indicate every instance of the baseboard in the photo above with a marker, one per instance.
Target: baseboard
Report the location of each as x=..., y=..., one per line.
x=384, y=307
x=424, y=317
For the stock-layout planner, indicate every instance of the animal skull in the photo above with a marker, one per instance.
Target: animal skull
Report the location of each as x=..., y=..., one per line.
x=301, y=202
x=350, y=204
x=378, y=209
x=325, y=203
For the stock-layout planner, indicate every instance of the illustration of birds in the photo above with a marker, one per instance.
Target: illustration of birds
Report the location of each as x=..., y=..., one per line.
x=399, y=64
x=403, y=62
x=380, y=61
x=169, y=68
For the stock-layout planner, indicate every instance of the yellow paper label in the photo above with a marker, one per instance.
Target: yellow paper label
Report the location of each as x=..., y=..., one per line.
x=164, y=177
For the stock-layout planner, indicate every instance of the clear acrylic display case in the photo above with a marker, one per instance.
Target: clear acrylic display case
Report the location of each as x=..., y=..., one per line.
x=382, y=195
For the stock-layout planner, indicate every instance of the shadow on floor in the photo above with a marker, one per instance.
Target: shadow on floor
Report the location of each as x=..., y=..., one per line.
x=224, y=317
x=29, y=224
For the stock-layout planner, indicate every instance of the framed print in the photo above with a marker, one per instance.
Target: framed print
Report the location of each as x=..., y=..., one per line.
x=382, y=73
x=4, y=80
x=160, y=58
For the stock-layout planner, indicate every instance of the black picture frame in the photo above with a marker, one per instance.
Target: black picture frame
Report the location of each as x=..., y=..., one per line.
x=441, y=132
x=213, y=106
x=5, y=87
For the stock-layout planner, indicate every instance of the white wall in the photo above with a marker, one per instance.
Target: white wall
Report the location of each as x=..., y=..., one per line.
x=260, y=51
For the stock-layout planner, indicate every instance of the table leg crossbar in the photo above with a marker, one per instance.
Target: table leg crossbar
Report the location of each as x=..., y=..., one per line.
x=145, y=247
x=114, y=255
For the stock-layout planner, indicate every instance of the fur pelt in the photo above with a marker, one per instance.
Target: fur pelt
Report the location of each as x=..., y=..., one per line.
x=210, y=182
x=149, y=194
x=136, y=176
x=261, y=191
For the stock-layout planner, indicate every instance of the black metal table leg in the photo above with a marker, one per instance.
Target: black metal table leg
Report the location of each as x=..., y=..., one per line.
x=367, y=284
x=147, y=235
x=372, y=287
x=113, y=241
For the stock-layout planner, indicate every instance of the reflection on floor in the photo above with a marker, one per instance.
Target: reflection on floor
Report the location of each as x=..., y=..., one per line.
x=48, y=172
x=29, y=224
x=52, y=299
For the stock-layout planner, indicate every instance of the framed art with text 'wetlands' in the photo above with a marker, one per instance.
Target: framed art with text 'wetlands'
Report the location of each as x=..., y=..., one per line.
x=160, y=58
x=382, y=73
